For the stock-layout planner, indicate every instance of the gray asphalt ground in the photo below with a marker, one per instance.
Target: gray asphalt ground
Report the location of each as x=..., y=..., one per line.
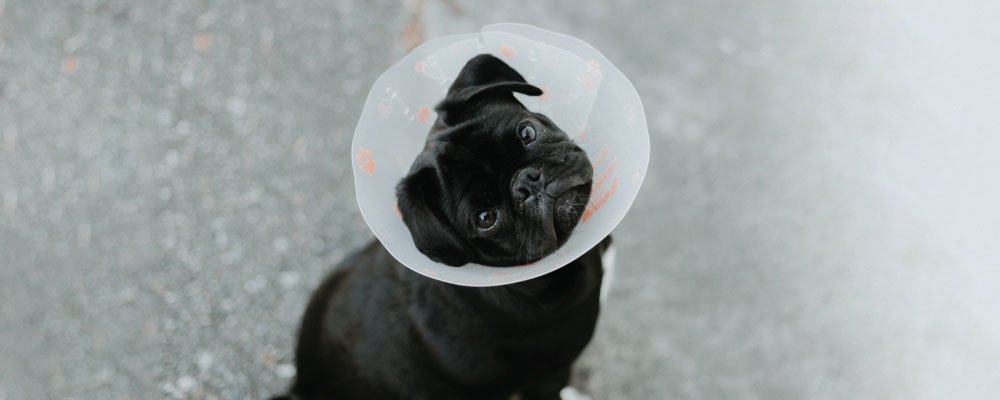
x=817, y=223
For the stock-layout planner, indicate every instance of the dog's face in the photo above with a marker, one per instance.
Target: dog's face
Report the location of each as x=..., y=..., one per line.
x=495, y=184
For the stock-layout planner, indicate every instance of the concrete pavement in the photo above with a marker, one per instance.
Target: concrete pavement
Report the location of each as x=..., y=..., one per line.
x=174, y=180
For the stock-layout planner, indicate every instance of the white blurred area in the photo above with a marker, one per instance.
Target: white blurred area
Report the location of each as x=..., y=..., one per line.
x=936, y=163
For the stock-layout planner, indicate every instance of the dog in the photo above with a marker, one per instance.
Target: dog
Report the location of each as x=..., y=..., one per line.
x=495, y=184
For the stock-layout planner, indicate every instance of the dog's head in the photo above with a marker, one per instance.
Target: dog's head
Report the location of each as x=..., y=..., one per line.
x=495, y=184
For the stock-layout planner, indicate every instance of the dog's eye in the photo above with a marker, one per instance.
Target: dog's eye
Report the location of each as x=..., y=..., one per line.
x=527, y=134
x=485, y=219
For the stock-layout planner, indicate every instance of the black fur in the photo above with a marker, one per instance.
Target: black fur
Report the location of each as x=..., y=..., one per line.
x=374, y=329
x=377, y=330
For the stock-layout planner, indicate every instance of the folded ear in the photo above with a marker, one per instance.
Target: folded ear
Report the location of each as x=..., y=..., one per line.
x=419, y=199
x=485, y=75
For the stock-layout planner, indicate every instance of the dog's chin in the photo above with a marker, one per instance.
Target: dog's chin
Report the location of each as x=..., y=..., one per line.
x=568, y=209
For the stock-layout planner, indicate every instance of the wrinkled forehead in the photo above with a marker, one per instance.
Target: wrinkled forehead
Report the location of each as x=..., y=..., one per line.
x=489, y=121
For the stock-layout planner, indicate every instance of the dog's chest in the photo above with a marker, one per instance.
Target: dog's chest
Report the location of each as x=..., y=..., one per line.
x=478, y=352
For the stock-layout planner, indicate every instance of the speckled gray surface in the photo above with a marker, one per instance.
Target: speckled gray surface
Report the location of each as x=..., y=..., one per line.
x=175, y=179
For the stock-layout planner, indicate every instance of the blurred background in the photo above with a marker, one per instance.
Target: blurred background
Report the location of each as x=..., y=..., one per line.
x=819, y=219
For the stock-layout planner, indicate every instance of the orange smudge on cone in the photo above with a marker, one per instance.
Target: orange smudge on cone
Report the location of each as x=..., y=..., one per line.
x=507, y=51
x=604, y=176
x=423, y=114
x=596, y=205
x=365, y=161
x=363, y=153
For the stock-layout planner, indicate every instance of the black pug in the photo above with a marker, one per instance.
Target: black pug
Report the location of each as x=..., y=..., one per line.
x=496, y=185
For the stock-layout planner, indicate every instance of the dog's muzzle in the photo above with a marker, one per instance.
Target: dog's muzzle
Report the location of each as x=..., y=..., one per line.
x=529, y=185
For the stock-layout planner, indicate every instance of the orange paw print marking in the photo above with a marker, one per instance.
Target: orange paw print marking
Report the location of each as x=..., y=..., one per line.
x=423, y=114
x=365, y=161
x=420, y=67
x=507, y=51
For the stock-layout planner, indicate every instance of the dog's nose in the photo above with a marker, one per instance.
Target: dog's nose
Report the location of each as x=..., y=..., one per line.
x=528, y=182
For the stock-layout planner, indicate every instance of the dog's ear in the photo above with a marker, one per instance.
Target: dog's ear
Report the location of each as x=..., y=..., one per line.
x=484, y=76
x=419, y=200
